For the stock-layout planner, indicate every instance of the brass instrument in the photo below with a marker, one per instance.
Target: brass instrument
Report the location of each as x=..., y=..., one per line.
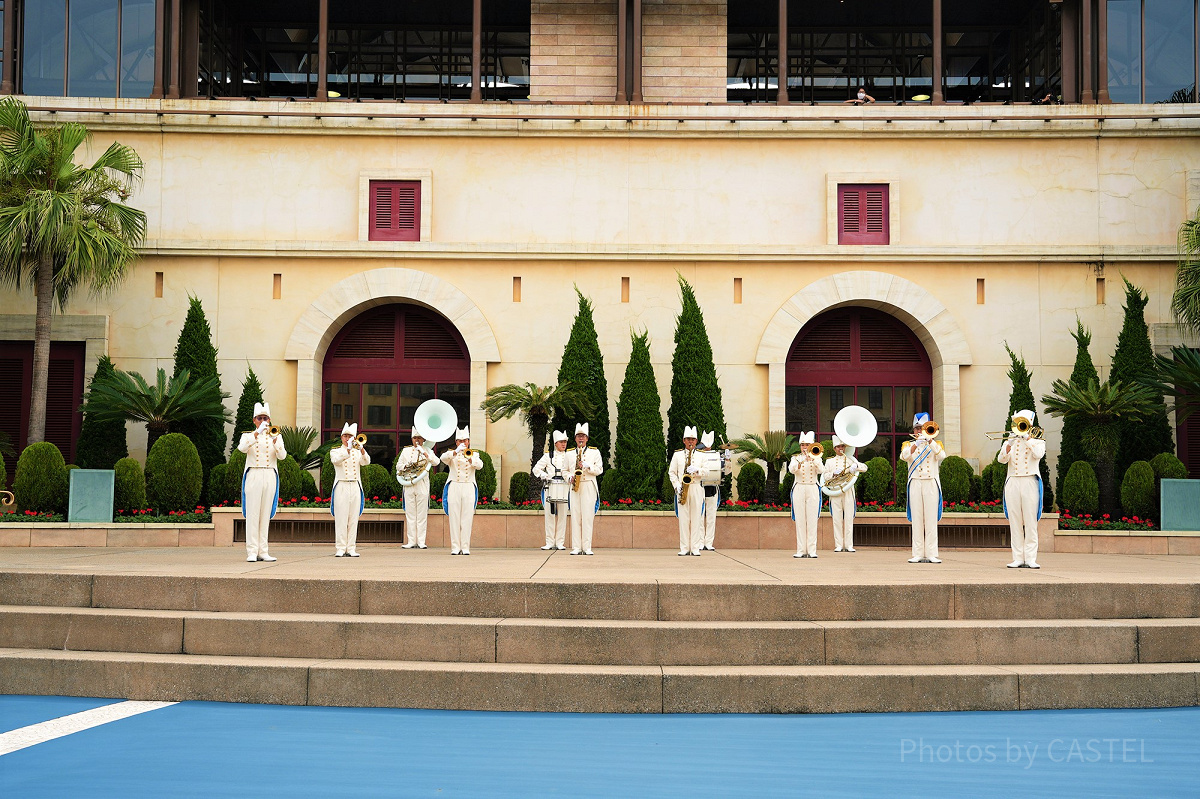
x=687, y=479
x=7, y=498
x=1022, y=429
x=578, y=478
x=411, y=474
x=928, y=430
x=836, y=485
x=271, y=431
x=360, y=441
x=815, y=450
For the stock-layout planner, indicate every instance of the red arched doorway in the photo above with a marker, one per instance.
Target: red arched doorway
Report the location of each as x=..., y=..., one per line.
x=858, y=356
x=385, y=363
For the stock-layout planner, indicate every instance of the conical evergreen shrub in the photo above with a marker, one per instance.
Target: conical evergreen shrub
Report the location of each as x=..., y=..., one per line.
x=1021, y=399
x=1071, y=449
x=101, y=444
x=695, y=392
x=251, y=393
x=1132, y=362
x=583, y=364
x=194, y=351
x=640, y=455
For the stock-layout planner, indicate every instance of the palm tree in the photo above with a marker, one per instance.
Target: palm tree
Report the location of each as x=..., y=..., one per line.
x=1185, y=303
x=297, y=440
x=1178, y=375
x=127, y=396
x=1102, y=408
x=775, y=448
x=62, y=225
x=536, y=404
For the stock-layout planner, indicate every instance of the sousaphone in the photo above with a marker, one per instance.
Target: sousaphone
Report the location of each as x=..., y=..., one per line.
x=434, y=421
x=856, y=427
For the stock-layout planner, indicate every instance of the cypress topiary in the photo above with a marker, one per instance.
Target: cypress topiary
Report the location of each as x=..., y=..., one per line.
x=986, y=481
x=327, y=475
x=1021, y=399
x=173, y=474
x=129, y=486
x=195, y=353
x=875, y=485
x=41, y=482
x=956, y=479
x=610, y=486
x=518, y=487
x=216, y=484
x=1071, y=448
x=695, y=392
x=668, y=490
x=583, y=364
x=101, y=444
x=640, y=455
x=785, y=488
x=1081, y=489
x=289, y=478
x=234, y=471
x=999, y=478
x=251, y=393
x=976, y=487
x=751, y=479
x=901, y=481
x=1165, y=466
x=1132, y=362
x=485, y=478
x=1137, y=490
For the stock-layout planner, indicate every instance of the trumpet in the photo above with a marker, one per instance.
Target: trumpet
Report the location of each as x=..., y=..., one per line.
x=815, y=450
x=271, y=431
x=360, y=441
x=928, y=430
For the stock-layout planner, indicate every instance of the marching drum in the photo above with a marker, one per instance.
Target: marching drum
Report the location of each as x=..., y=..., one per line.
x=557, y=490
x=710, y=468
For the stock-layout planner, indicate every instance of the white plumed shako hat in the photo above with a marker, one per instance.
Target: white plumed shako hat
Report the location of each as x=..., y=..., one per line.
x=707, y=439
x=808, y=438
x=349, y=429
x=837, y=442
x=582, y=428
x=689, y=432
x=559, y=435
x=261, y=409
x=920, y=419
x=462, y=433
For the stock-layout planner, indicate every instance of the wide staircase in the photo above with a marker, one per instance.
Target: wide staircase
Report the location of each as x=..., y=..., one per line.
x=652, y=647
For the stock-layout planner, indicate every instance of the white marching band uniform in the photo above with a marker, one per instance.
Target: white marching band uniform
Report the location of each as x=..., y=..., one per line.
x=1023, y=493
x=416, y=497
x=842, y=507
x=712, y=494
x=924, y=458
x=550, y=464
x=260, y=484
x=806, y=497
x=584, y=502
x=461, y=494
x=691, y=512
x=347, y=501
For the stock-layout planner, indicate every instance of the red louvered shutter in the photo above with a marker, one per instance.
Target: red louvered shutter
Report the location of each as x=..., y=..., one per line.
x=371, y=337
x=427, y=338
x=14, y=399
x=863, y=214
x=1187, y=441
x=827, y=342
x=64, y=394
x=881, y=339
x=395, y=210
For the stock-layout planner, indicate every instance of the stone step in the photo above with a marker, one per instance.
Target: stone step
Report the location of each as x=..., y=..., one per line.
x=601, y=642
x=607, y=689
x=1031, y=597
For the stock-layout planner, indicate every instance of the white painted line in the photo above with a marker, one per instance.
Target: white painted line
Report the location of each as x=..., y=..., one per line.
x=76, y=722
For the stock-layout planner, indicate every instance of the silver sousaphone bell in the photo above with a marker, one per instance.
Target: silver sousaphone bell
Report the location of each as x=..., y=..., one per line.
x=856, y=427
x=434, y=421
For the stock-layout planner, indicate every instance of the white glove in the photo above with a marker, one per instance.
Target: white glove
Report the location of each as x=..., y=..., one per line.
x=262, y=428
x=461, y=448
x=693, y=470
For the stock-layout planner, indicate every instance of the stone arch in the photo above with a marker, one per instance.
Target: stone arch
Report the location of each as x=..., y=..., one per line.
x=937, y=329
x=346, y=299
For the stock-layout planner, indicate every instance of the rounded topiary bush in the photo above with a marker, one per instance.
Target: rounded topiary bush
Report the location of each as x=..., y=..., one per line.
x=308, y=485
x=785, y=488
x=437, y=482
x=999, y=477
x=518, y=486
x=976, y=487
x=751, y=479
x=41, y=482
x=485, y=478
x=234, y=472
x=174, y=475
x=1081, y=489
x=986, y=494
x=875, y=485
x=375, y=480
x=129, y=486
x=1137, y=490
x=901, y=481
x=289, y=478
x=1166, y=467
x=956, y=479
x=216, y=484
x=327, y=475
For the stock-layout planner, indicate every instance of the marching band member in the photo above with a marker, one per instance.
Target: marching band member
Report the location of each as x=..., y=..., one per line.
x=555, y=463
x=347, y=505
x=842, y=507
x=260, y=481
x=416, y=496
x=924, y=457
x=1023, y=492
x=690, y=508
x=461, y=492
x=585, y=467
x=806, y=496
x=712, y=494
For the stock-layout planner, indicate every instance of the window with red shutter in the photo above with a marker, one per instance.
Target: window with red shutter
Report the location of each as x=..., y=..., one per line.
x=64, y=394
x=395, y=210
x=863, y=213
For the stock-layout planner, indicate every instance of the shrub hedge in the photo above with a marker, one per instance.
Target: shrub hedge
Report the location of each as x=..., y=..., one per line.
x=41, y=481
x=875, y=485
x=956, y=479
x=1137, y=490
x=129, y=486
x=518, y=487
x=751, y=479
x=327, y=475
x=1081, y=490
x=986, y=492
x=308, y=486
x=1165, y=466
x=173, y=474
x=486, y=477
x=901, y=481
x=437, y=481
x=216, y=484
x=610, y=486
x=233, y=476
x=289, y=478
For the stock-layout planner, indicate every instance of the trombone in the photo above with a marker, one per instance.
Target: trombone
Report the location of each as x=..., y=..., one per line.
x=1022, y=429
x=928, y=430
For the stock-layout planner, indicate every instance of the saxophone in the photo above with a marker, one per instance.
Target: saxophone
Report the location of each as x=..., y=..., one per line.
x=578, y=470
x=687, y=479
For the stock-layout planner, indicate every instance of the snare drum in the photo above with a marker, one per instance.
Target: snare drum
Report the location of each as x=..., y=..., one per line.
x=710, y=468
x=558, y=490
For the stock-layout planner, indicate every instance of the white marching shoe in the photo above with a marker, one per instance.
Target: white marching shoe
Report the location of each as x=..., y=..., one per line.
x=851, y=549
x=837, y=549
x=1033, y=564
x=914, y=560
x=1016, y=564
x=352, y=554
x=252, y=559
x=267, y=558
x=407, y=546
x=548, y=546
x=935, y=560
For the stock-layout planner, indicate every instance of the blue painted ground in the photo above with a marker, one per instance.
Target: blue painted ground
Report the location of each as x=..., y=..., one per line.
x=212, y=749
x=21, y=711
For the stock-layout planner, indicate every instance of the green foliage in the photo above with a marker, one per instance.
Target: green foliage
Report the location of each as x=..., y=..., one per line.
x=216, y=484
x=298, y=443
x=640, y=456
x=327, y=475
x=127, y=396
x=234, y=471
x=785, y=488
x=668, y=490
x=289, y=478
x=308, y=486
x=1021, y=399
x=251, y=393
x=196, y=355
x=129, y=486
x=1133, y=362
x=485, y=478
x=1178, y=376
x=437, y=482
x=1071, y=448
x=987, y=493
x=901, y=481
x=956, y=479
x=1137, y=490
x=875, y=485
x=1081, y=489
x=41, y=482
x=173, y=476
x=999, y=478
x=1185, y=302
x=583, y=366
x=976, y=488
x=3, y=475
x=610, y=483
x=101, y=444
x=518, y=487
x=375, y=481
x=1165, y=466
x=775, y=448
x=535, y=404
x=751, y=480
x=695, y=392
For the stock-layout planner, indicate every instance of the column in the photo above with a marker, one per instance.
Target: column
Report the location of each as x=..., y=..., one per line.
x=1102, y=52
x=636, y=92
x=1070, y=52
x=781, y=95
x=622, y=50
x=936, y=94
x=160, y=27
x=7, y=86
x=323, y=51
x=476, y=50
x=176, y=63
x=1086, y=94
